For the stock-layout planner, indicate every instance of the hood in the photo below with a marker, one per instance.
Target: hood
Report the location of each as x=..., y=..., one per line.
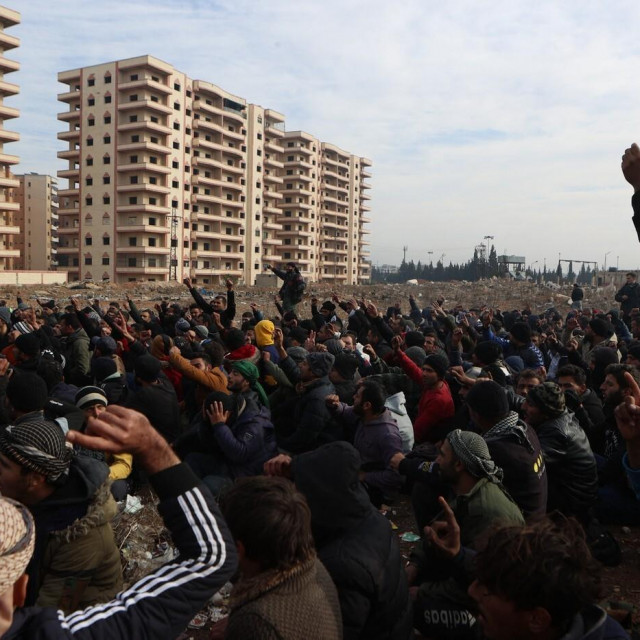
x=396, y=403
x=328, y=478
x=264, y=333
x=86, y=475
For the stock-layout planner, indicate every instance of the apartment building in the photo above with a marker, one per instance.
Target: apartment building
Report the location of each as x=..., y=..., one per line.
x=38, y=220
x=9, y=207
x=170, y=177
x=324, y=210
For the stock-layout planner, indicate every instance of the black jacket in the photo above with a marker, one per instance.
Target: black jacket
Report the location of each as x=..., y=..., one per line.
x=162, y=603
x=356, y=545
x=571, y=467
x=227, y=315
x=632, y=291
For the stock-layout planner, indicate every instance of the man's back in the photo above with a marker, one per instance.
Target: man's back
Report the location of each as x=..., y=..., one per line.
x=159, y=403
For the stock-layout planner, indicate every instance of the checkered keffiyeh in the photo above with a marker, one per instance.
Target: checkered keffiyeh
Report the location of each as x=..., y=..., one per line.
x=38, y=445
x=17, y=537
x=472, y=450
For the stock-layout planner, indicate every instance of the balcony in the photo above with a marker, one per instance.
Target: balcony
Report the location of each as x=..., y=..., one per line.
x=6, y=159
x=210, y=126
x=7, y=66
x=140, y=166
x=69, y=116
x=141, y=227
x=69, y=154
x=235, y=135
x=68, y=193
x=70, y=230
x=9, y=230
x=147, y=104
x=69, y=96
x=144, y=208
x=144, y=145
x=233, y=151
x=70, y=174
x=9, y=253
x=145, y=125
x=69, y=136
x=8, y=42
x=6, y=113
x=9, y=183
x=143, y=83
x=8, y=88
x=147, y=250
x=143, y=188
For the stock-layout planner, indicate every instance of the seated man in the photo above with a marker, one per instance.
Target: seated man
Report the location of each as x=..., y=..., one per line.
x=92, y=401
x=355, y=542
x=536, y=581
x=465, y=464
x=162, y=603
x=375, y=435
x=513, y=446
x=284, y=591
x=571, y=467
x=77, y=563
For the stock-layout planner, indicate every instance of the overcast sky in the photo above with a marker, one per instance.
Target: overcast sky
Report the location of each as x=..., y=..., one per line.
x=504, y=118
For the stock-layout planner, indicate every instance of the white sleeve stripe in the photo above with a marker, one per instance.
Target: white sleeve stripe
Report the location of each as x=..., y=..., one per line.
x=171, y=575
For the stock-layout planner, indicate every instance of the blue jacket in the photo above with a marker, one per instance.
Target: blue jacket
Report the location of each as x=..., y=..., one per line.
x=246, y=444
x=530, y=354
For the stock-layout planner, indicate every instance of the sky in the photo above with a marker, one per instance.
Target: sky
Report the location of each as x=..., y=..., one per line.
x=504, y=119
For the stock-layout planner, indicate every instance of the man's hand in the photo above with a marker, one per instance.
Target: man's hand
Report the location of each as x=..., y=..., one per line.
x=370, y=351
x=253, y=306
x=278, y=338
x=332, y=402
x=372, y=310
x=187, y=283
x=444, y=535
x=279, y=466
x=175, y=351
x=631, y=166
x=335, y=298
x=76, y=303
x=120, y=430
x=396, y=459
x=456, y=338
x=216, y=413
x=396, y=343
x=4, y=366
x=229, y=284
x=310, y=342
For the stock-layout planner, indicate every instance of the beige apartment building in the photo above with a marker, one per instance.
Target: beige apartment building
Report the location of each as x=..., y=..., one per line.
x=172, y=177
x=38, y=219
x=9, y=207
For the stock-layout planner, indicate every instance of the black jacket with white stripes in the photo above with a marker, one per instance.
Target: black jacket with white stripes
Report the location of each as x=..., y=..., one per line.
x=161, y=604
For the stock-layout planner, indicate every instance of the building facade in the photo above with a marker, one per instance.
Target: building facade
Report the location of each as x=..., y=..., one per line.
x=9, y=207
x=172, y=177
x=38, y=220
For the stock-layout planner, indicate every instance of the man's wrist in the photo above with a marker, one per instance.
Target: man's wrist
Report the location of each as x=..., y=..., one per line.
x=157, y=456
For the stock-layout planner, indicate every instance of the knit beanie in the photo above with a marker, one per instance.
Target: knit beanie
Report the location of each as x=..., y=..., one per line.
x=548, y=397
x=328, y=306
x=182, y=326
x=89, y=396
x=438, y=363
x=28, y=343
x=38, y=445
x=234, y=339
x=250, y=372
x=299, y=334
x=472, y=450
x=634, y=351
x=414, y=339
x=103, y=367
x=346, y=364
x=27, y=392
x=147, y=368
x=106, y=345
x=202, y=331
x=488, y=399
x=320, y=363
x=17, y=540
x=521, y=332
x=297, y=354
x=601, y=328
x=22, y=327
x=416, y=354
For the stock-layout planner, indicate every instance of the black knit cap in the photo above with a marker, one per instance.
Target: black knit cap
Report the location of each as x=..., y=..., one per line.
x=27, y=392
x=438, y=363
x=90, y=396
x=346, y=364
x=488, y=399
x=601, y=327
x=548, y=397
x=147, y=368
x=521, y=332
x=28, y=343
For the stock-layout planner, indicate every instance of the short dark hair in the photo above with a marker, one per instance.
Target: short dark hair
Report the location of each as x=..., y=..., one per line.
x=529, y=374
x=573, y=371
x=618, y=371
x=487, y=351
x=215, y=351
x=374, y=393
x=71, y=319
x=630, y=273
x=271, y=519
x=201, y=355
x=544, y=564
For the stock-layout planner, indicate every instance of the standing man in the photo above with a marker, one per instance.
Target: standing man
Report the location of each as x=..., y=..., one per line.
x=629, y=297
x=293, y=285
x=577, y=295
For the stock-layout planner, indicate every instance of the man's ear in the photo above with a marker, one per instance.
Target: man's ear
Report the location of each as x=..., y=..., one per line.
x=539, y=621
x=34, y=480
x=20, y=591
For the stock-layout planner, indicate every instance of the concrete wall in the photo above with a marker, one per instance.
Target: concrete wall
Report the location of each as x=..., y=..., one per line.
x=32, y=277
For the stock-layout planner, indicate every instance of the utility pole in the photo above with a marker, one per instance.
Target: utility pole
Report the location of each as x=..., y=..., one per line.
x=404, y=253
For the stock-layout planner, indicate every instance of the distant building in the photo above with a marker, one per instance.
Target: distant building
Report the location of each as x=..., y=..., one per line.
x=511, y=265
x=9, y=207
x=38, y=220
x=172, y=177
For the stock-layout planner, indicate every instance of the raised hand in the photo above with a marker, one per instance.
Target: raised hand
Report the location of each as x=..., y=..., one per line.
x=444, y=535
x=631, y=166
x=216, y=413
x=279, y=466
x=187, y=282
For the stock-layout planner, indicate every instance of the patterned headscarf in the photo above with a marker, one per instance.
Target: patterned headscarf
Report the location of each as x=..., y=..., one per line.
x=38, y=445
x=17, y=538
x=471, y=449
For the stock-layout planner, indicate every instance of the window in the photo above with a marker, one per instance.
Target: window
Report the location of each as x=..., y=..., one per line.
x=133, y=97
x=106, y=240
x=105, y=261
x=176, y=145
x=133, y=180
x=91, y=122
x=106, y=200
x=175, y=184
x=91, y=101
x=134, y=77
x=106, y=180
x=152, y=242
x=133, y=118
x=107, y=119
x=91, y=82
x=106, y=139
x=133, y=242
x=107, y=99
x=259, y=136
x=133, y=200
x=153, y=200
x=89, y=141
x=153, y=180
x=88, y=260
x=88, y=201
x=175, y=164
x=135, y=138
x=176, y=106
x=88, y=241
x=106, y=159
x=176, y=126
x=88, y=181
x=107, y=78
